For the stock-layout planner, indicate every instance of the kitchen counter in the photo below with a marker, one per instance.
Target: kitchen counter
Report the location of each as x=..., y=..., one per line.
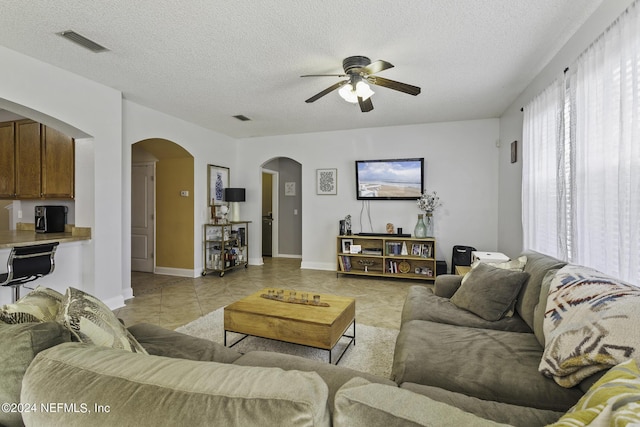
x=26, y=236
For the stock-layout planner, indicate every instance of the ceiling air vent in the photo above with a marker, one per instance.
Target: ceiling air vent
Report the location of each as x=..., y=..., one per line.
x=83, y=41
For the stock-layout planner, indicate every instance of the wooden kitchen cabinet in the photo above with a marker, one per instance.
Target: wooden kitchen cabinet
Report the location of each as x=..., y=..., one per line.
x=58, y=160
x=43, y=162
x=7, y=163
x=28, y=159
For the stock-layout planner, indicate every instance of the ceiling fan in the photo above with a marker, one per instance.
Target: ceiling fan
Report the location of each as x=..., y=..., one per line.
x=360, y=71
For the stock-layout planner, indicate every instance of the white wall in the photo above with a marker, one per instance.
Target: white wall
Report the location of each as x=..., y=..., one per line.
x=82, y=109
x=510, y=201
x=461, y=162
x=206, y=147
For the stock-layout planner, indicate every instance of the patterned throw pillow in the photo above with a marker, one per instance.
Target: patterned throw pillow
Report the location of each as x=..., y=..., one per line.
x=90, y=321
x=613, y=400
x=590, y=324
x=40, y=305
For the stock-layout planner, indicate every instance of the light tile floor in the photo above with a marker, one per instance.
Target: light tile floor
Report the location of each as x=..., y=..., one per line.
x=171, y=301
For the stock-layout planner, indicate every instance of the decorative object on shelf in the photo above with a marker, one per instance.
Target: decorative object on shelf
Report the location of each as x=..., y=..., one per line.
x=343, y=227
x=404, y=267
x=428, y=203
x=234, y=196
x=289, y=188
x=366, y=263
x=428, y=223
x=420, y=230
x=217, y=182
x=223, y=210
x=404, y=249
x=390, y=228
x=347, y=224
x=327, y=181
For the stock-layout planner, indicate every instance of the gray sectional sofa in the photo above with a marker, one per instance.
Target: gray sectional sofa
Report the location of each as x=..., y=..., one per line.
x=451, y=368
x=489, y=368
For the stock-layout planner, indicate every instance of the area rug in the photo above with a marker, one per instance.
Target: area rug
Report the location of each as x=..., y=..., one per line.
x=373, y=352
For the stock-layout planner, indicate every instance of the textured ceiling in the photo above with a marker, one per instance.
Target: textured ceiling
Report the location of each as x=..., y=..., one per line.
x=206, y=60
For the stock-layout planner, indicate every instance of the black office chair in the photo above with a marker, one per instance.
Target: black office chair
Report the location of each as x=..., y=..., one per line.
x=28, y=263
x=461, y=256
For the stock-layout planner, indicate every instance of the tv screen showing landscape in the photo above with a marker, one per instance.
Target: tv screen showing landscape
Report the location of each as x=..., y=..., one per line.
x=398, y=179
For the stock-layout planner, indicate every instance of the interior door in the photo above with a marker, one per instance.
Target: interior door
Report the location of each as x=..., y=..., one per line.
x=267, y=215
x=142, y=217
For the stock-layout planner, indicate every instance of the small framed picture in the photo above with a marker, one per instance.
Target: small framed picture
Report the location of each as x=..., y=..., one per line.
x=426, y=251
x=289, y=188
x=416, y=249
x=514, y=151
x=346, y=245
x=327, y=181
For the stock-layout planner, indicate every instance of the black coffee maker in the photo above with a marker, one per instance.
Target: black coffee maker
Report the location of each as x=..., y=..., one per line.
x=50, y=219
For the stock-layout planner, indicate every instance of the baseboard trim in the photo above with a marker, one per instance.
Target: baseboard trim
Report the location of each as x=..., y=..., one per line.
x=180, y=272
x=114, y=303
x=318, y=266
x=288, y=256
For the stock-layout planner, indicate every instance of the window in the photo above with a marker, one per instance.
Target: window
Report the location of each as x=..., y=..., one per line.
x=586, y=210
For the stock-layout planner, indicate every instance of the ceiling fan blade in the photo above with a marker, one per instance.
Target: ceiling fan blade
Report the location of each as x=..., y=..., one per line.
x=377, y=66
x=324, y=75
x=365, y=104
x=392, y=84
x=326, y=91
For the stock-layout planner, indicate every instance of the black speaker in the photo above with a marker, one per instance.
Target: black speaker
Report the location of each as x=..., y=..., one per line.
x=441, y=267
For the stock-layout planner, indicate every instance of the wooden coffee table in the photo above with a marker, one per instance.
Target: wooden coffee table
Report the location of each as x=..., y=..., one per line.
x=309, y=325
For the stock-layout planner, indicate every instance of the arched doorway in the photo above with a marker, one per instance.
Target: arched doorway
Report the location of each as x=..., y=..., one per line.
x=282, y=207
x=162, y=208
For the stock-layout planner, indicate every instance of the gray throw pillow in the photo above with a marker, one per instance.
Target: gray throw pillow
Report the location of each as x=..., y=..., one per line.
x=489, y=292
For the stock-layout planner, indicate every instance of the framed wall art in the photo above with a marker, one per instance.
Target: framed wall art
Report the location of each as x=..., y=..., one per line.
x=514, y=151
x=327, y=181
x=218, y=180
x=289, y=188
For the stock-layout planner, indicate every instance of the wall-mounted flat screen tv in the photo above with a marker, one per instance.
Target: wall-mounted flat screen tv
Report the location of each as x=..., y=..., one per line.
x=397, y=179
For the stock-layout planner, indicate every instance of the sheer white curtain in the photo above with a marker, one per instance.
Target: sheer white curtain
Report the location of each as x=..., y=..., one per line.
x=581, y=152
x=542, y=144
x=607, y=151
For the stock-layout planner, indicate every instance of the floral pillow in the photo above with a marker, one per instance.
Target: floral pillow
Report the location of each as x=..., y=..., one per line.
x=90, y=321
x=40, y=305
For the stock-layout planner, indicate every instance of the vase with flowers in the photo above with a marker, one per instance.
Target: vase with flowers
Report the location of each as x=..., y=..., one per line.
x=428, y=203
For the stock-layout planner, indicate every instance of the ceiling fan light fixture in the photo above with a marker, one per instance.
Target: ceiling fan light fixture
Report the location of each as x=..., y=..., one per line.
x=348, y=94
x=363, y=90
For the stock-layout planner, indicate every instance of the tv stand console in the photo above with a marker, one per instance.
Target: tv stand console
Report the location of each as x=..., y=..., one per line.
x=387, y=255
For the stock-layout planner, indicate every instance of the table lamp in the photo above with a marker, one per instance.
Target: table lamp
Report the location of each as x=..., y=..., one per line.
x=233, y=196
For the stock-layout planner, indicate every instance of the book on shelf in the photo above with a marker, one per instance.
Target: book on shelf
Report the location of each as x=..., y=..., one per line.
x=392, y=267
x=345, y=263
x=372, y=251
